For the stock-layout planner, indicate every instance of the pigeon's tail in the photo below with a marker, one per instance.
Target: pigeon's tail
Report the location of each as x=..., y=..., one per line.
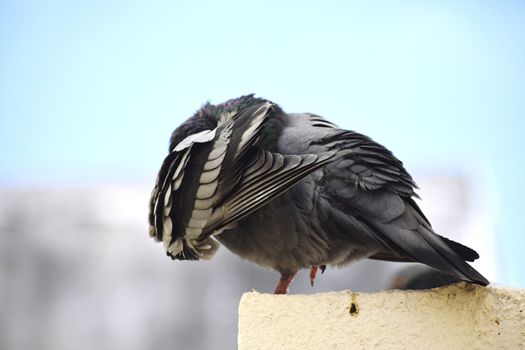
x=464, y=252
x=424, y=246
x=448, y=256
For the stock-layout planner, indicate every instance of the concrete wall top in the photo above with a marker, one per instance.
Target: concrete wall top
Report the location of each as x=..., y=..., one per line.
x=462, y=316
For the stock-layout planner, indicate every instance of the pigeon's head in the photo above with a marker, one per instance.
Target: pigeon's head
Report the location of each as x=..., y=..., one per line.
x=209, y=116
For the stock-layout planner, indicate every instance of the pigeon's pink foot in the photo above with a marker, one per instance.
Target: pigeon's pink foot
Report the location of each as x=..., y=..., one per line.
x=284, y=283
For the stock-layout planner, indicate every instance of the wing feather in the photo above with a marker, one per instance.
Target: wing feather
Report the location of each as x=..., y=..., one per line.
x=263, y=183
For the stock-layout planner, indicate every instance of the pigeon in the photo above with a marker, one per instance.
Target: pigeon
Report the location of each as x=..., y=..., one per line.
x=288, y=192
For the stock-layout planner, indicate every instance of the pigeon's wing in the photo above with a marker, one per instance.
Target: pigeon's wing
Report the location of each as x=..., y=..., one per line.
x=368, y=165
x=264, y=178
x=372, y=186
x=252, y=176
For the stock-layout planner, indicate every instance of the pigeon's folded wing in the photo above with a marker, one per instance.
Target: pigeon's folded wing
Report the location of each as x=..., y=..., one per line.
x=267, y=176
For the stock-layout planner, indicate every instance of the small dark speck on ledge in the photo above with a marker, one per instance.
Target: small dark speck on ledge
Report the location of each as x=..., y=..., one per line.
x=353, y=309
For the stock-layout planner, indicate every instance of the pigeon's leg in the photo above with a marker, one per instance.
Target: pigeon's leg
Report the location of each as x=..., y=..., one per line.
x=284, y=283
x=313, y=272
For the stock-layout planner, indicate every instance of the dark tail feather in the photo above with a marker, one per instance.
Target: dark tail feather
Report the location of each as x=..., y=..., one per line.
x=464, y=252
x=452, y=253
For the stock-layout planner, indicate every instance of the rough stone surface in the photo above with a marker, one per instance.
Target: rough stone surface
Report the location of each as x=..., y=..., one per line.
x=461, y=316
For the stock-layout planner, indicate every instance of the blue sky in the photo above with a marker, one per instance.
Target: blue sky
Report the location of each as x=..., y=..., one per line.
x=90, y=91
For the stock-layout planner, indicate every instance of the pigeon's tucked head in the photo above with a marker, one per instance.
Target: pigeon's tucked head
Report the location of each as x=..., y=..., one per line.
x=209, y=116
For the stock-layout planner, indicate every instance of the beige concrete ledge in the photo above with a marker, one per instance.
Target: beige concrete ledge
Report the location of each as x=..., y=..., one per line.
x=460, y=316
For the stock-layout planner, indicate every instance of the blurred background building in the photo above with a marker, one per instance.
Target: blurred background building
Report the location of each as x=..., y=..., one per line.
x=90, y=92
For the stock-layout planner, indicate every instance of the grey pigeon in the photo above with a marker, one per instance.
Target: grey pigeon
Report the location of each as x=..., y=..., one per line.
x=291, y=191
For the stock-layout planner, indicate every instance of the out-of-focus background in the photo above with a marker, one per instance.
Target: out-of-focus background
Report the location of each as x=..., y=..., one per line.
x=90, y=92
